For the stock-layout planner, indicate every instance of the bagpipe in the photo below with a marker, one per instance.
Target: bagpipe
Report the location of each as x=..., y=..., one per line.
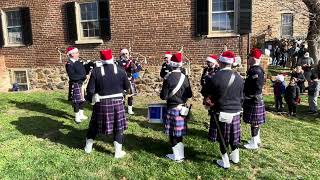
x=186, y=61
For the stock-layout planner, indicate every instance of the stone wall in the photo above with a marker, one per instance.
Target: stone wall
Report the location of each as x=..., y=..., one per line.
x=268, y=14
x=149, y=83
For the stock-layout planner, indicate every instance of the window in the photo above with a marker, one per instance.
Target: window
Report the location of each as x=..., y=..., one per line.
x=222, y=18
x=15, y=29
x=287, y=25
x=20, y=77
x=223, y=15
x=14, y=26
x=88, y=21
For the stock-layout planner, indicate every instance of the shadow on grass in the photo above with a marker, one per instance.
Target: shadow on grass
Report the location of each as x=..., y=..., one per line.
x=42, y=108
x=47, y=128
x=87, y=105
x=58, y=132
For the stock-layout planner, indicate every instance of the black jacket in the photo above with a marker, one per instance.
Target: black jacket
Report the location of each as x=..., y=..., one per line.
x=291, y=94
x=76, y=71
x=169, y=84
x=233, y=98
x=108, y=84
x=254, y=82
x=165, y=69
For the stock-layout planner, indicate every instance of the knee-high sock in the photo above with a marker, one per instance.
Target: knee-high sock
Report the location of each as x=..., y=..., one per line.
x=175, y=140
x=130, y=101
x=254, y=130
x=118, y=137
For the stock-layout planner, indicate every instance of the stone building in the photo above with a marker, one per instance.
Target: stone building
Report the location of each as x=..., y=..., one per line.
x=32, y=32
x=274, y=19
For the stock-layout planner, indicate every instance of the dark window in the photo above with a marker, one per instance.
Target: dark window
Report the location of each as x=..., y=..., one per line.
x=287, y=25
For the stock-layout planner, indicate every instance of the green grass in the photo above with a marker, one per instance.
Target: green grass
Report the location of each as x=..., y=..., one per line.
x=39, y=140
x=275, y=70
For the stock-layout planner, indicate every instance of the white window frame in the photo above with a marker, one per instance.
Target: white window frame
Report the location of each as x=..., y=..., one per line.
x=212, y=33
x=5, y=29
x=13, y=75
x=281, y=25
x=81, y=39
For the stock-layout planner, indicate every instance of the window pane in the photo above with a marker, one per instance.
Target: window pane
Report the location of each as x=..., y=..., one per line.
x=217, y=5
x=223, y=21
x=229, y=5
x=230, y=21
x=20, y=77
x=89, y=11
x=85, y=33
x=287, y=25
x=23, y=87
x=91, y=33
x=15, y=35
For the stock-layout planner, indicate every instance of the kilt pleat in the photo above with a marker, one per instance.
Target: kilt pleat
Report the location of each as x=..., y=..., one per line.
x=109, y=115
x=254, y=113
x=175, y=125
x=76, y=93
x=231, y=132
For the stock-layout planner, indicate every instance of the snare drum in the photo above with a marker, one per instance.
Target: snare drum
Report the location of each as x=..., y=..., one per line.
x=157, y=112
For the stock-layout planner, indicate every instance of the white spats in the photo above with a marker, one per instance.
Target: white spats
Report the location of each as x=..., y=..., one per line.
x=89, y=144
x=77, y=117
x=82, y=116
x=234, y=156
x=253, y=143
x=118, y=150
x=178, y=153
x=224, y=162
x=130, y=111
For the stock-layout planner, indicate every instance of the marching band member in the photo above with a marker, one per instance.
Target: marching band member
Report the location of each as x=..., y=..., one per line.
x=226, y=92
x=210, y=70
x=131, y=69
x=253, y=106
x=105, y=90
x=77, y=75
x=165, y=68
x=176, y=91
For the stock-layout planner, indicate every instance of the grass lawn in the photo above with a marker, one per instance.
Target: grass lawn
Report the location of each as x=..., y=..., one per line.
x=39, y=140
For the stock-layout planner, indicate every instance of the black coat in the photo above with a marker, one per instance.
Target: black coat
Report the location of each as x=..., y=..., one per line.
x=183, y=94
x=76, y=71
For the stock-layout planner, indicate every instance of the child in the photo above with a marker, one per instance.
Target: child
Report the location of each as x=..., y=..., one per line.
x=313, y=93
x=292, y=96
x=279, y=88
x=298, y=73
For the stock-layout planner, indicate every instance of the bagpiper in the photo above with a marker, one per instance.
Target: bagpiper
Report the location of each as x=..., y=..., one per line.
x=105, y=91
x=226, y=92
x=132, y=69
x=176, y=90
x=253, y=106
x=210, y=70
x=165, y=68
x=77, y=75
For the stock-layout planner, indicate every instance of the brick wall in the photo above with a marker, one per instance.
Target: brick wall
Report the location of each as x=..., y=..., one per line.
x=2, y=65
x=152, y=27
x=268, y=13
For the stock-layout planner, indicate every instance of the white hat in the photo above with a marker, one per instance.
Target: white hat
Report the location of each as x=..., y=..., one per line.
x=124, y=51
x=280, y=77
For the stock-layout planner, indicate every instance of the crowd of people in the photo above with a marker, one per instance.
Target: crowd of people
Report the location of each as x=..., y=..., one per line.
x=225, y=94
x=291, y=53
x=304, y=76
